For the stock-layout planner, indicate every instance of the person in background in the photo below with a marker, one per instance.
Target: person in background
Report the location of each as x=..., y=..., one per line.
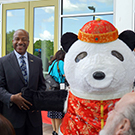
x=51, y=57
x=57, y=62
x=18, y=70
x=121, y=120
x=6, y=127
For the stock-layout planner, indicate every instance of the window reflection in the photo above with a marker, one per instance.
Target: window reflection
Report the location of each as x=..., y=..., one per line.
x=77, y=23
x=80, y=6
x=15, y=20
x=43, y=46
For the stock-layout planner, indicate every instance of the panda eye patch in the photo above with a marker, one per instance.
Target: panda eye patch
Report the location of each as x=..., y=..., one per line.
x=80, y=56
x=117, y=55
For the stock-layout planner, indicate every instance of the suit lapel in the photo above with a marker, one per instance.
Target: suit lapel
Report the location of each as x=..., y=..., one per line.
x=31, y=65
x=14, y=63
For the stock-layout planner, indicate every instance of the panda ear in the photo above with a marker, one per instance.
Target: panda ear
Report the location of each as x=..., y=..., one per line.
x=128, y=37
x=67, y=40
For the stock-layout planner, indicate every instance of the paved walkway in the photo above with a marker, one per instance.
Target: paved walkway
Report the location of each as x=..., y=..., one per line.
x=47, y=129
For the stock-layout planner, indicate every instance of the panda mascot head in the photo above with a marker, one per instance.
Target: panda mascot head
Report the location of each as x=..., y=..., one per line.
x=100, y=68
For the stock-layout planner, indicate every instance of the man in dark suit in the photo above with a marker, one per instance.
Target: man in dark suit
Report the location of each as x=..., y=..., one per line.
x=15, y=107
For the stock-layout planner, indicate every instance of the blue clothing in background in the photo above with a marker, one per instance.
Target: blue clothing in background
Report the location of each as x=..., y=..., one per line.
x=56, y=75
x=59, y=78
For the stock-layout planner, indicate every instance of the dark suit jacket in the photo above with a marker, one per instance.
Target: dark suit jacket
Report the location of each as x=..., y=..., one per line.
x=12, y=81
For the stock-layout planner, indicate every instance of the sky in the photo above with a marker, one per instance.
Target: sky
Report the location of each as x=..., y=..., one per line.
x=44, y=17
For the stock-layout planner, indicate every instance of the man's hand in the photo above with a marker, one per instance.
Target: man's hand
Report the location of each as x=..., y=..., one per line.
x=20, y=101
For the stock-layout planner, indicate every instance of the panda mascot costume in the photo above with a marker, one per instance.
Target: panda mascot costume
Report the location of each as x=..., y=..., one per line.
x=100, y=68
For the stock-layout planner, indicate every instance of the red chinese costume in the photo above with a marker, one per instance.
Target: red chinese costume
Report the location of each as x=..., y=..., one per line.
x=85, y=117
x=97, y=68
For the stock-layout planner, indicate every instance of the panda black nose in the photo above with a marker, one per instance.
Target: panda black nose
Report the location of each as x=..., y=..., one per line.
x=98, y=75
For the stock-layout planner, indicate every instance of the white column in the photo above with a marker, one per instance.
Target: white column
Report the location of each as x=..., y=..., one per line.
x=124, y=15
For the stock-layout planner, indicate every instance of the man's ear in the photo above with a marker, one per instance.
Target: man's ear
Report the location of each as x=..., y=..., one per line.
x=123, y=126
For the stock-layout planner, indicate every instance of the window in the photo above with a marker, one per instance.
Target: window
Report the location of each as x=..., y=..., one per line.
x=17, y=17
x=75, y=13
x=40, y=19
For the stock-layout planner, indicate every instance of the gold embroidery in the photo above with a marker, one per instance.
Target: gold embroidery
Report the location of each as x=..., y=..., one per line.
x=98, y=38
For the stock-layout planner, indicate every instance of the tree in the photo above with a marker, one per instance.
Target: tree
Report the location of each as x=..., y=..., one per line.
x=47, y=47
x=9, y=45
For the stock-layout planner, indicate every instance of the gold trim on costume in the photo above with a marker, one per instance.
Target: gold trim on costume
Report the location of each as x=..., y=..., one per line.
x=98, y=38
x=102, y=114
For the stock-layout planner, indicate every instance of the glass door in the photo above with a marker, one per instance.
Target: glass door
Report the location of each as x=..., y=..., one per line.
x=44, y=29
x=40, y=19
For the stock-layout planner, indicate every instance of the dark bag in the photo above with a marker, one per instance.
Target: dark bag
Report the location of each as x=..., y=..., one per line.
x=45, y=100
x=50, y=82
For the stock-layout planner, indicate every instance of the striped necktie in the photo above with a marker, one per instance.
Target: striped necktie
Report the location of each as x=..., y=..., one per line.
x=23, y=69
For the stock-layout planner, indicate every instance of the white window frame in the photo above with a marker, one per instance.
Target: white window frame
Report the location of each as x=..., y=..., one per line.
x=75, y=15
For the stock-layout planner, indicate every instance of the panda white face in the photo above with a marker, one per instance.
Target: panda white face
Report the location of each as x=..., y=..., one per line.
x=100, y=71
